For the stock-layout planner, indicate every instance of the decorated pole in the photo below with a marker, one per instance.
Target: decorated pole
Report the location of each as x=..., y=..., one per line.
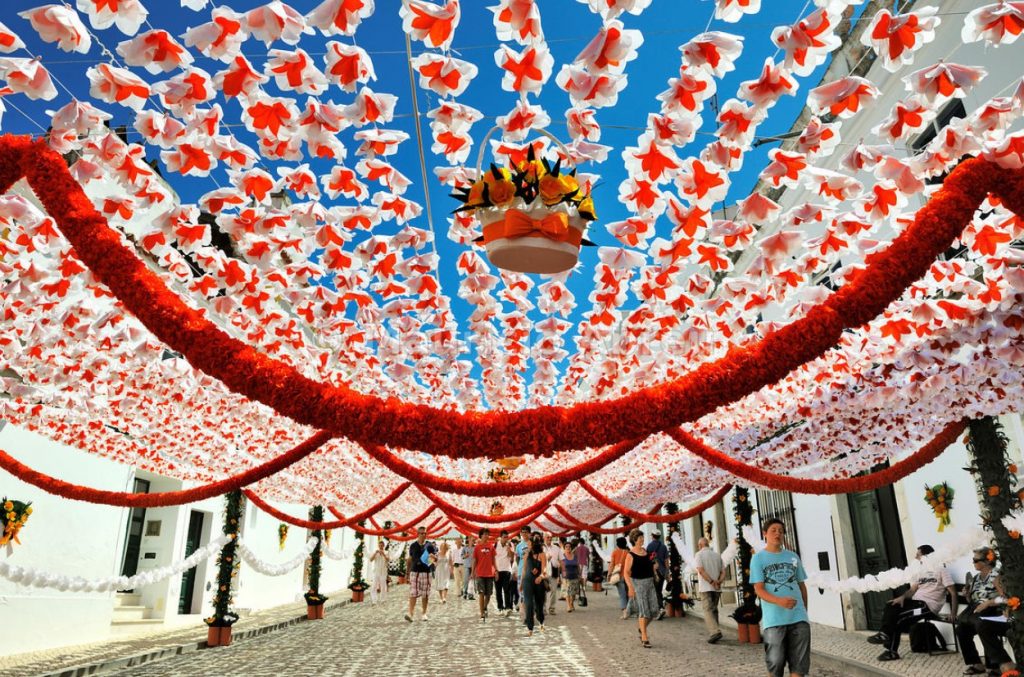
x=315, y=600
x=996, y=477
x=747, y=613
x=674, y=592
x=358, y=584
x=219, y=633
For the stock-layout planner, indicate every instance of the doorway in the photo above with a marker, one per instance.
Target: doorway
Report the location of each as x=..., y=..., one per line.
x=878, y=541
x=133, y=535
x=193, y=539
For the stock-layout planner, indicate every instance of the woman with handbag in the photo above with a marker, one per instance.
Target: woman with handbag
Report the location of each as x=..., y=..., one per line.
x=535, y=582
x=615, y=567
x=639, y=575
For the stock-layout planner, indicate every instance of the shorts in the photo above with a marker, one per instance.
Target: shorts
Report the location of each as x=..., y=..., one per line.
x=788, y=644
x=419, y=584
x=485, y=586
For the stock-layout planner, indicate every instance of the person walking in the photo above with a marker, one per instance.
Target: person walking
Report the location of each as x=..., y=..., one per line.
x=639, y=574
x=533, y=584
x=571, y=576
x=457, y=565
x=443, y=571
x=778, y=577
x=484, y=570
x=711, y=572
x=503, y=558
x=379, y=561
x=418, y=566
x=583, y=555
x=924, y=599
x=521, y=548
x=616, y=574
x=659, y=553
x=467, y=566
x=554, y=558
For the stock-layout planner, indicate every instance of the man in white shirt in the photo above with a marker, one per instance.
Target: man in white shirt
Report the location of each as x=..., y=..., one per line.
x=554, y=554
x=711, y=573
x=503, y=585
x=925, y=597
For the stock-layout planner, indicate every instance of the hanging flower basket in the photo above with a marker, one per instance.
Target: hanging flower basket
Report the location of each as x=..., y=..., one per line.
x=12, y=518
x=533, y=213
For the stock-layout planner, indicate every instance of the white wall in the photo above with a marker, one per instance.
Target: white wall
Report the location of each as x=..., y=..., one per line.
x=813, y=515
x=62, y=537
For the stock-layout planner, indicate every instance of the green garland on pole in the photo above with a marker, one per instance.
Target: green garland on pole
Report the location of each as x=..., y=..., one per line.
x=996, y=478
x=747, y=609
x=227, y=563
x=358, y=583
x=313, y=596
x=674, y=592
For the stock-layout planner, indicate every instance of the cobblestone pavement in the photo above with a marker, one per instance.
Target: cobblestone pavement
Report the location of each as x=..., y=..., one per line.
x=54, y=660
x=365, y=640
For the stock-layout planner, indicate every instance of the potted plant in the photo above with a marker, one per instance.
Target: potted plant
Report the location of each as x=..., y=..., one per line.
x=747, y=614
x=358, y=585
x=219, y=624
x=314, y=600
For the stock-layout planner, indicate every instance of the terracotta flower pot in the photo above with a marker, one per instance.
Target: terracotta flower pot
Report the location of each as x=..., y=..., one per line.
x=218, y=636
x=743, y=633
x=401, y=580
x=598, y=587
x=755, y=633
x=357, y=595
x=314, y=612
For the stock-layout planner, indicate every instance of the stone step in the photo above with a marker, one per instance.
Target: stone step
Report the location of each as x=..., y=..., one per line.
x=130, y=613
x=127, y=599
x=134, y=626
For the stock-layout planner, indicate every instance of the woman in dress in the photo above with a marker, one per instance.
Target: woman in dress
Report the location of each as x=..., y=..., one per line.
x=379, y=573
x=639, y=575
x=443, y=571
x=571, y=576
x=534, y=578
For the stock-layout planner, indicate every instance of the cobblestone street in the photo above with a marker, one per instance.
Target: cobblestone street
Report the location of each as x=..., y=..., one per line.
x=365, y=640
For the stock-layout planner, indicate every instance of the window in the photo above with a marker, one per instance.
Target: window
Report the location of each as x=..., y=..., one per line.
x=779, y=505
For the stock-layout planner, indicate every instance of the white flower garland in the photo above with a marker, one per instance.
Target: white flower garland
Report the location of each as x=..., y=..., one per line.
x=34, y=578
x=267, y=569
x=337, y=554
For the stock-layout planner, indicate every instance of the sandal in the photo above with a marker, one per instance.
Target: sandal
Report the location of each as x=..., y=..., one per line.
x=974, y=670
x=645, y=644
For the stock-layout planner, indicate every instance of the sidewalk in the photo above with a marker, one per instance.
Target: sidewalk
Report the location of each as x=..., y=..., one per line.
x=849, y=653
x=116, y=654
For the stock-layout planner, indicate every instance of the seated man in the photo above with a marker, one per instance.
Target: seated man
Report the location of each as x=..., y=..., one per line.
x=924, y=598
x=984, y=600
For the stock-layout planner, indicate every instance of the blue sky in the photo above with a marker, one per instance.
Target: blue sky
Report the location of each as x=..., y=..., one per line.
x=568, y=26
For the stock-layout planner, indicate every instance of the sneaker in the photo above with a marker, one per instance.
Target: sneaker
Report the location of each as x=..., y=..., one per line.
x=714, y=638
x=877, y=638
x=888, y=656
x=408, y=618
x=426, y=617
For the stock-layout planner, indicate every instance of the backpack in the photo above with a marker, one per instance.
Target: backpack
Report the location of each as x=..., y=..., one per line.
x=926, y=638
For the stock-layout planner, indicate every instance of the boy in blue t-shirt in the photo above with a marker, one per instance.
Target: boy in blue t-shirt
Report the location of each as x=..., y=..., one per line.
x=778, y=578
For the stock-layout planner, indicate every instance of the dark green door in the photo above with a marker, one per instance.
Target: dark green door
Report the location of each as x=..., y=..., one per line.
x=188, y=578
x=133, y=537
x=878, y=541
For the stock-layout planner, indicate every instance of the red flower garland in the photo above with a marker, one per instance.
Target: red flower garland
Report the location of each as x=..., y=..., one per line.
x=343, y=522
x=655, y=518
x=450, y=509
x=847, y=485
x=743, y=370
x=422, y=478
x=123, y=499
x=596, y=527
